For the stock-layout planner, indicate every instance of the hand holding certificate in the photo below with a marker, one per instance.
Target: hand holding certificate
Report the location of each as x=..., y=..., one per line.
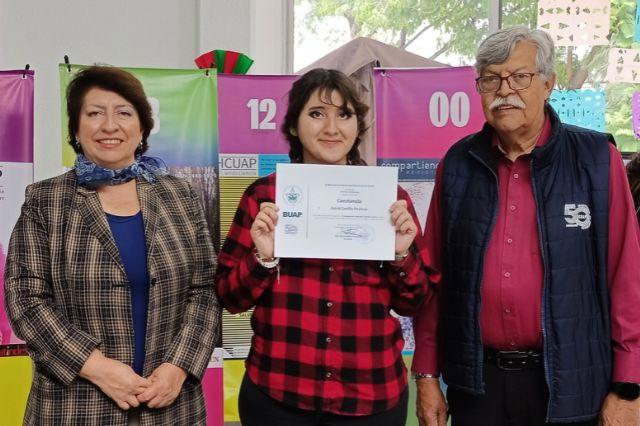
x=336, y=212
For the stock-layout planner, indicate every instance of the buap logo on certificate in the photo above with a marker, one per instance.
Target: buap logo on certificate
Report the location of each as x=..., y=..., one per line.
x=335, y=212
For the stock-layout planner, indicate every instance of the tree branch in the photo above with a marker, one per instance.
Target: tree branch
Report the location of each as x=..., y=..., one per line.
x=418, y=34
x=354, y=27
x=443, y=49
x=403, y=39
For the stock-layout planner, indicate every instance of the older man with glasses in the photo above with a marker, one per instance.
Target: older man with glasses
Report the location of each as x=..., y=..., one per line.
x=533, y=249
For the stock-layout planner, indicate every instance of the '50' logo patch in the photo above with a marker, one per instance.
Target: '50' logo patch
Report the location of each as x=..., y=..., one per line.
x=577, y=216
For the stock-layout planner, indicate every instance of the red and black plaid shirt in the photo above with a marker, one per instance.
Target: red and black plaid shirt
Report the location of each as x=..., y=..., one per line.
x=323, y=336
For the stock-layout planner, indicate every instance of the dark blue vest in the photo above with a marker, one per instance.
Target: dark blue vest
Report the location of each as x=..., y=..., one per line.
x=571, y=186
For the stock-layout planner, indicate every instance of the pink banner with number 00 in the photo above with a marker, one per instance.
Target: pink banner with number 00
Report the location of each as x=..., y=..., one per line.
x=420, y=113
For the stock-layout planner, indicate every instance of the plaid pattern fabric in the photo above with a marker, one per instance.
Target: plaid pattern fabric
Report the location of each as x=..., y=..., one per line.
x=67, y=293
x=323, y=335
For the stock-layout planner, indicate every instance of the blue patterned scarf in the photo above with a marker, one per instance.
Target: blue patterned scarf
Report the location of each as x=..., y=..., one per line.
x=91, y=175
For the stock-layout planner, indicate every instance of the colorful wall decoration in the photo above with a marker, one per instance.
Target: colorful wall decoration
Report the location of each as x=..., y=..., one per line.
x=584, y=108
x=573, y=23
x=16, y=165
x=624, y=66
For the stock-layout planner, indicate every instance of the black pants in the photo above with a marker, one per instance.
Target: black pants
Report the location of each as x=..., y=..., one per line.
x=512, y=398
x=259, y=409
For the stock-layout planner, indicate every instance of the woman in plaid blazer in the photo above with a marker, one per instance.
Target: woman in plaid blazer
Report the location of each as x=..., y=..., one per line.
x=109, y=275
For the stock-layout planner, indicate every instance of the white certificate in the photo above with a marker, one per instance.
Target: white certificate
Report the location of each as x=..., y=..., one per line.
x=335, y=212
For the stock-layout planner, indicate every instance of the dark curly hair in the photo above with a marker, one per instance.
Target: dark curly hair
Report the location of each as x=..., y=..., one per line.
x=114, y=80
x=326, y=81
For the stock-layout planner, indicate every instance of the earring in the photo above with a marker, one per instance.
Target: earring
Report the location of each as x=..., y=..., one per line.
x=293, y=132
x=76, y=144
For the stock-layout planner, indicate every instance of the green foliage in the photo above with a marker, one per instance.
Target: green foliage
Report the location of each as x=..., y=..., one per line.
x=618, y=96
x=618, y=115
x=397, y=22
x=464, y=23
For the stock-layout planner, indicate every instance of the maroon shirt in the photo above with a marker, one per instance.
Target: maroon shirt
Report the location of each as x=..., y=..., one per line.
x=510, y=316
x=323, y=335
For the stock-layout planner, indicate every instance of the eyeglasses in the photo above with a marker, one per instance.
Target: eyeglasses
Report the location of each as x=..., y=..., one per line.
x=516, y=81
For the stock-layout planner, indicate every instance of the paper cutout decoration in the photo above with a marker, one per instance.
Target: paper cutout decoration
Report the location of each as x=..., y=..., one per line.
x=225, y=61
x=636, y=36
x=624, y=66
x=584, y=108
x=574, y=23
x=635, y=114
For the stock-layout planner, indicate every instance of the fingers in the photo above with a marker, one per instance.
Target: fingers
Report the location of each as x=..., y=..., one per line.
x=271, y=210
x=150, y=393
x=421, y=419
x=264, y=223
x=266, y=219
x=160, y=402
x=142, y=383
x=401, y=218
x=156, y=402
x=442, y=419
x=123, y=405
x=163, y=398
x=398, y=205
x=407, y=226
x=132, y=401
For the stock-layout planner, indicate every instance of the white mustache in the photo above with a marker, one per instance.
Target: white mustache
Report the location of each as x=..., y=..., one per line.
x=511, y=100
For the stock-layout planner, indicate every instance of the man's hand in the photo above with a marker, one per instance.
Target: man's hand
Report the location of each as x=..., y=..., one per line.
x=166, y=382
x=431, y=407
x=619, y=412
x=117, y=380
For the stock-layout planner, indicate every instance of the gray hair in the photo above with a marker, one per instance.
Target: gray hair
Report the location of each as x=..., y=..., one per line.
x=497, y=47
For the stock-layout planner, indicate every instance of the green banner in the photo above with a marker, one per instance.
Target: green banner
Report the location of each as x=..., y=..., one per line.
x=185, y=110
x=185, y=134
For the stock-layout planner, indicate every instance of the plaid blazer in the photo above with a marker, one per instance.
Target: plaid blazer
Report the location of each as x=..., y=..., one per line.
x=67, y=293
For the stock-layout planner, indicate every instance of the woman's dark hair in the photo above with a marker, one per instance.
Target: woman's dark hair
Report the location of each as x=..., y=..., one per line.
x=114, y=80
x=326, y=81
x=633, y=174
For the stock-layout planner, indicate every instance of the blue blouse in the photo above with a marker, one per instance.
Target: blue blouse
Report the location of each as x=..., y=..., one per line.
x=128, y=232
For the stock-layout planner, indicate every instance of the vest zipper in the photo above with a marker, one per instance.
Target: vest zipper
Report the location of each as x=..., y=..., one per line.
x=545, y=345
x=484, y=251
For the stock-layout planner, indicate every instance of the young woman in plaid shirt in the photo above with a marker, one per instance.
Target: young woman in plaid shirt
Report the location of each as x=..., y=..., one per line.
x=326, y=350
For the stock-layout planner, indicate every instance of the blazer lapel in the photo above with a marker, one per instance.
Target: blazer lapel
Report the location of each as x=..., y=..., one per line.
x=150, y=205
x=96, y=221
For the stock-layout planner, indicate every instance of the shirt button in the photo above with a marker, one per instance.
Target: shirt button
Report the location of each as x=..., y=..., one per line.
x=512, y=207
x=328, y=340
x=402, y=274
x=512, y=343
x=516, y=175
x=509, y=240
x=507, y=274
x=507, y=310
x=328, y=374
x=331, y=269
x=329, y=304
